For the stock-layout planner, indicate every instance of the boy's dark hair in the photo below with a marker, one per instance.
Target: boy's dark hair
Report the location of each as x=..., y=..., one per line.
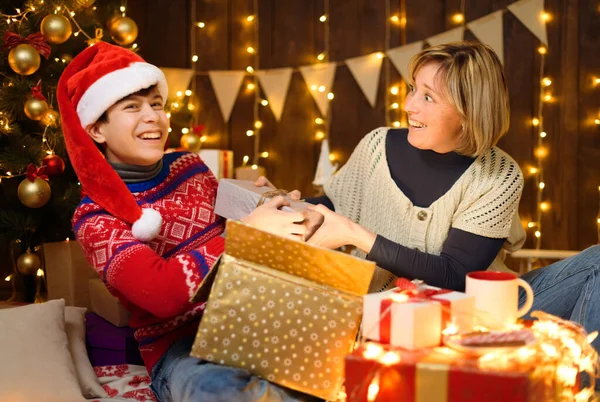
x=141, y=92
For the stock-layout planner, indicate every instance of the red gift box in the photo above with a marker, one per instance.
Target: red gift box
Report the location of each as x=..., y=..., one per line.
x=380, y=373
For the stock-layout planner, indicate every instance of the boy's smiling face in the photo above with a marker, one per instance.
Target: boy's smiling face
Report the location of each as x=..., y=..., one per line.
x=135, y=129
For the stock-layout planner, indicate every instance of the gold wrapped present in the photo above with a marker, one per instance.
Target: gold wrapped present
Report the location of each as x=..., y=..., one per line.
x=284, y=310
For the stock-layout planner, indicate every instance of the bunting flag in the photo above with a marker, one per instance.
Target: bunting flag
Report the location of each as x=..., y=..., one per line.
x=453, y=35
x=400, y=57
x=489, y=30
x=530, y=13
x=226, y=85
x=178, y=80
x=319, y=80
x=366, y=71
x=275, y=83
x=325, y=169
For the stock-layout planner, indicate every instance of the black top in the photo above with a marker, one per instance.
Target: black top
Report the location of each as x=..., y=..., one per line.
x=425, y=176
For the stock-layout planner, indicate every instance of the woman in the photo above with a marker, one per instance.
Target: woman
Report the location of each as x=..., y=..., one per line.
x=440, y=200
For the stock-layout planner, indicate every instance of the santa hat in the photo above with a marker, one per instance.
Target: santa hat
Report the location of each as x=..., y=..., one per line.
x=96, y=79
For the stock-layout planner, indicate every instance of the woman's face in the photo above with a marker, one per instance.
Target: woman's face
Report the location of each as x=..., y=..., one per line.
x=433, y=122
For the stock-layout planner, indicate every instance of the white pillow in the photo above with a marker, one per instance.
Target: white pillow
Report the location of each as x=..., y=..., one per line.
x=35, y=362
x=75, y=328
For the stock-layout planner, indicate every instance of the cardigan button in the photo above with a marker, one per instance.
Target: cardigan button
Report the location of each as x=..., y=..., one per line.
x=422, y=215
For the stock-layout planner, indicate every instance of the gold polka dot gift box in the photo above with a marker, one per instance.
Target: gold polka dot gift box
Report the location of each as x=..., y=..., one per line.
x=284, y=310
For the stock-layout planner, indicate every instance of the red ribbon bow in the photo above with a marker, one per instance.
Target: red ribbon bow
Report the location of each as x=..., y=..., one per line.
x=416, y=292
x=198, y=128
x=34, y=172
x=36, y=91
x=36, y=40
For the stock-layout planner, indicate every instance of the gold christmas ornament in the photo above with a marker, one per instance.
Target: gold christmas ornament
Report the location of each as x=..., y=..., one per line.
x=24, y=59
x=191, y=142
x=28, y=263
x=56, y=28
x=123, y=30
x=35, y=109
x=51, y=118
x=34, y=194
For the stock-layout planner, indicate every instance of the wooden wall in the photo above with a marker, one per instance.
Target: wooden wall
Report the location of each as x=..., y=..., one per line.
x=291, y=35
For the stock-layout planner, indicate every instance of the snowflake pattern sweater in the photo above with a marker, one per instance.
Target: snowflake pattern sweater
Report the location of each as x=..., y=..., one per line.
x=155, y=280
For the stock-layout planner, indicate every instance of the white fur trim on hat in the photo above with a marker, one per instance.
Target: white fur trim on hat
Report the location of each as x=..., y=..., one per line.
x=112, y=87
x=148, y=226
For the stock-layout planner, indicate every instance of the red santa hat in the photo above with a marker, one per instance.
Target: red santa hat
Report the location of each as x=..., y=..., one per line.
x=96, y=79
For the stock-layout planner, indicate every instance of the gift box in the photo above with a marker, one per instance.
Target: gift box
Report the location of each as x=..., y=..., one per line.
x=220, y=162
x=283, y=310
x=107, y=306
x=68, y=273
x=238, y=198
x=413, y=315
x=380, y=373
x=109, y=345
x=249, y=172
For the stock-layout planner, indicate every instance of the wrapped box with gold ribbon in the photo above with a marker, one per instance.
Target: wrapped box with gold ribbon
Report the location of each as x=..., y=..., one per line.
x=237, y=198
x=380, y=373
x=413, y=315
x=283, y=310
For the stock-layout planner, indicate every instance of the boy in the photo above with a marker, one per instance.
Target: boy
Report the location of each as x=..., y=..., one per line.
x=146, y=223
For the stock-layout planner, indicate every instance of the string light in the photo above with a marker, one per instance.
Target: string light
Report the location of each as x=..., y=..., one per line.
x=195, y=58
x=323, y=123
x=250, y=49
x=323, y=18
x=458, y=18
x=250, y=18
x=201, y=24
x=264, y=102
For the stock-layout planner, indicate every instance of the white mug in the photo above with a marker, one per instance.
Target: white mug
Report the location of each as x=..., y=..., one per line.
x=497, y=297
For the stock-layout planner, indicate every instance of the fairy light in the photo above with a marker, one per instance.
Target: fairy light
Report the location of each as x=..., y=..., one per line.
x=458, y=18
x=323, y=124
x=250, y=86
x=250, y=50
x=250, y=18
x=195, y=58
x=200, y=24
x=264, y=154
x=264, y=102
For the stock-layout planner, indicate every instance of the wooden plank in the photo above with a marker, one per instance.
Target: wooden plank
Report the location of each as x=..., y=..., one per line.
x=588, y=155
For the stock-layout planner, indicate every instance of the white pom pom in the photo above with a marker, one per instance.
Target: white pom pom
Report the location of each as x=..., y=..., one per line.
x=148, y=226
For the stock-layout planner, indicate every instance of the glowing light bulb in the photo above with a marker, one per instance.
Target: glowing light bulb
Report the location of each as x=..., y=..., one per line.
x=458, y=18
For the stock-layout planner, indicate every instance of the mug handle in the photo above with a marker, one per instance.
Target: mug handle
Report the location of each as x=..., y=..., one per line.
x=529, y=302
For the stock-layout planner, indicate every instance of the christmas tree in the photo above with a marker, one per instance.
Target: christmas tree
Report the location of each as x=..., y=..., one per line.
x=38, y=188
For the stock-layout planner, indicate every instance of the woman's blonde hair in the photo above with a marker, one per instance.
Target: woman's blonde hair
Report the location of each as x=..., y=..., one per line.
x=473, y=80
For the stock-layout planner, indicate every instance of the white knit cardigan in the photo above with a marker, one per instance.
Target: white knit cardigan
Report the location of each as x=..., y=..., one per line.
x=483, y=201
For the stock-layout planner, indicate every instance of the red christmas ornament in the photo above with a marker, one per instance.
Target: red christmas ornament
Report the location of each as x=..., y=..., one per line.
x=54, y=165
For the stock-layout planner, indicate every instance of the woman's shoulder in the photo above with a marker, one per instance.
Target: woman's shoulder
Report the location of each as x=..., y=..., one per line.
x=496, y=165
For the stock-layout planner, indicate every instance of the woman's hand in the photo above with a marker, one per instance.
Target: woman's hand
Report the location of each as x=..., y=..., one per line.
x=270, y=219
x=337, y=231
x=262, y=181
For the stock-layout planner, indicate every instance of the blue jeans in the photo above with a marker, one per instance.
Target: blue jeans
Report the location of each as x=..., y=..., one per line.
x=178, y=377
x=569, y=289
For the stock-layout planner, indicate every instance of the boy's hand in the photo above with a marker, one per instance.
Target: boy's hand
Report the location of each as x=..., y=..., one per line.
x=270, y=219
x=262, y=181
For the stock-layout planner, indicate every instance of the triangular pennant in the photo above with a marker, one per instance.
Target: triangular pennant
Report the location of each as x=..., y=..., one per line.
x=366, y=71
x=325, y=169
x=319, y=80
x=530, y=13
x=226, y=85
x=400, y=57
x=275, y=83
x=489, y=30
x=178, y=80
x=453, y=35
